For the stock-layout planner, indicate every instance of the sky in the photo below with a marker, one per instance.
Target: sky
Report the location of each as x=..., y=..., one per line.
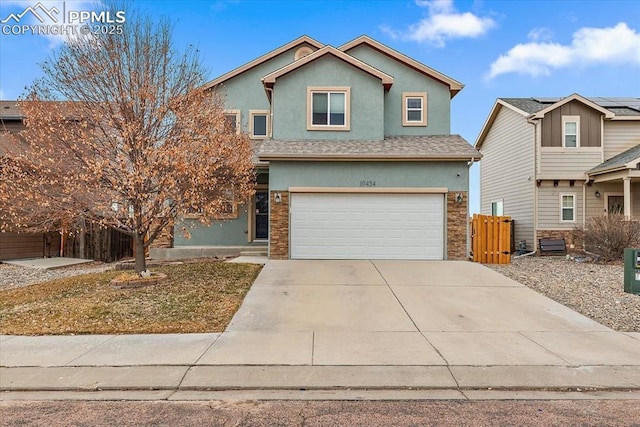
x=495, y=48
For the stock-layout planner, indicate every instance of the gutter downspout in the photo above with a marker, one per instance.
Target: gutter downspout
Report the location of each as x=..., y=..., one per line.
x=535, y=184
x=471, y=162
x=584, y=203
x=270, y=90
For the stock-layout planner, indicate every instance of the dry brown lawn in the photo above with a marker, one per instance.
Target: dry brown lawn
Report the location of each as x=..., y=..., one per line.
x=196, y=297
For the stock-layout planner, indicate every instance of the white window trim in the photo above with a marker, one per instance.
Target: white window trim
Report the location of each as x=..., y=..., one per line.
x=573, y=207
x=498, y=203
x=238, y=118
x=575, y=119
x=259, y=113
x=347, y=107
x=405, y=109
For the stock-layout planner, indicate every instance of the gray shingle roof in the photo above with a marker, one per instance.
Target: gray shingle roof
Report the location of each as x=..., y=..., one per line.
x=427, y=147
x=10, y=110
x=618, y=161
x=528, y=105
x=619, y=106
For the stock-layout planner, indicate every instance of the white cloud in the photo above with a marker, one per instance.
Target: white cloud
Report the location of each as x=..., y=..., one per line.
x=443, y=23
x=1, y=94
x=619, y=45
x=540, y=34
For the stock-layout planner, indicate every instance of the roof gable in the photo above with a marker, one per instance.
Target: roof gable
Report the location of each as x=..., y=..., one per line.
x=575, y=97
x=264, y=58
x=497, y=106
x=270, y=79
x=454, y=85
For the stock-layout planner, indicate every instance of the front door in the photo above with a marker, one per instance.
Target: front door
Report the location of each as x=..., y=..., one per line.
x=261, y=215
x=615, y=204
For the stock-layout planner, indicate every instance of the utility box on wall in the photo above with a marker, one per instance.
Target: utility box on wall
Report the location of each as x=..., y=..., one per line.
x=632, y=271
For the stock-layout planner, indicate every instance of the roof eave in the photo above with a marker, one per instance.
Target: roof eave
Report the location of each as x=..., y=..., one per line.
x=270, y=79
x=454, y=86
x=262, y=59
x=608, y=170
x=574, y=97
x=491, y=119
x=367, y=157
x=626, y=117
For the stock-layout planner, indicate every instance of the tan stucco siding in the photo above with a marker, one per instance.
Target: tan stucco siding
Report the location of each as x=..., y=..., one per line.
x=619, y=136
x=549, y=205
x=567, y=163
x=506, y=171
x=590, y=135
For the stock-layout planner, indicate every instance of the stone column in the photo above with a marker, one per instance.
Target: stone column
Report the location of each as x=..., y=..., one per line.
x=279, y=225
x=457, y=223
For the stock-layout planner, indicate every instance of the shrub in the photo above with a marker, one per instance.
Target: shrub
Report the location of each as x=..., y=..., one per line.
x=608, y=235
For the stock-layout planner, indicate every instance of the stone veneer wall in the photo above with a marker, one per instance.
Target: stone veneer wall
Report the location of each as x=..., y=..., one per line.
x=279, y=226
x=457, y=221
x=571, y=237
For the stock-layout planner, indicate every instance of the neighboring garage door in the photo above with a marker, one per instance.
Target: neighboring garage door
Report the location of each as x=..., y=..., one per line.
x=367, y=226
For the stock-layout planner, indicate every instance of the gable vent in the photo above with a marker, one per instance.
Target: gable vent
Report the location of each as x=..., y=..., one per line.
x=302, y=52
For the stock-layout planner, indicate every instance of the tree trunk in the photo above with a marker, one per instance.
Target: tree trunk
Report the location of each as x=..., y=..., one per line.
x=138, y=249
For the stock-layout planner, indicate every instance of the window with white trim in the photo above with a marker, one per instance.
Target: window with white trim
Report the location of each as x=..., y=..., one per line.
x=232, y=120
x=567, y=207
x=497, y=208
x=259, y=125
x=328, y=108
x=227, y=209
x=571, y=131
x=414, y=108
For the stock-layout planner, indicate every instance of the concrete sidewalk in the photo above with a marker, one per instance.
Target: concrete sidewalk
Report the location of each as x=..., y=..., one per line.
x=450, y=328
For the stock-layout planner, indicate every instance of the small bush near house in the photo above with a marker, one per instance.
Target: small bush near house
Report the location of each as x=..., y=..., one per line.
x=608, y=235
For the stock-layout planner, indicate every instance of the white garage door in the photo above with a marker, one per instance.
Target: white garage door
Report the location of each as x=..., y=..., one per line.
x=367, y=226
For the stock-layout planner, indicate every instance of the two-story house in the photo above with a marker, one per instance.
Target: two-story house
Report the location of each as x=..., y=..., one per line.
x=551, y=163
x=354, y=158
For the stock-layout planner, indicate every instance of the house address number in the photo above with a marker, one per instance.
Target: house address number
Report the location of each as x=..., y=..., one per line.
x=367, y=183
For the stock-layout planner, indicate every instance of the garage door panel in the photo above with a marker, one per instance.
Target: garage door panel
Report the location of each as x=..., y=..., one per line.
x=367, y=226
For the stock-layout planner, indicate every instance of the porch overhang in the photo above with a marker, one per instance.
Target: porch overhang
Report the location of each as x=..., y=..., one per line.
x=626, y=176
x=617, y=174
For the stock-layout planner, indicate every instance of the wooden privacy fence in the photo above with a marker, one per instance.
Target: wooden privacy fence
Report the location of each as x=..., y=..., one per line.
x=491, y=239
x=101, y=244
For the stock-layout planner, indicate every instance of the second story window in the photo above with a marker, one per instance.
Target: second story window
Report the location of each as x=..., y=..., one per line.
x=232, y=119
x=328, y=108
x=414, y=108
x=571, y=131
x=259, y=124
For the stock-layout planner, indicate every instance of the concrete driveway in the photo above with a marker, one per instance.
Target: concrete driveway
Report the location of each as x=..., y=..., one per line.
x=409, y=313
x=456, y=327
